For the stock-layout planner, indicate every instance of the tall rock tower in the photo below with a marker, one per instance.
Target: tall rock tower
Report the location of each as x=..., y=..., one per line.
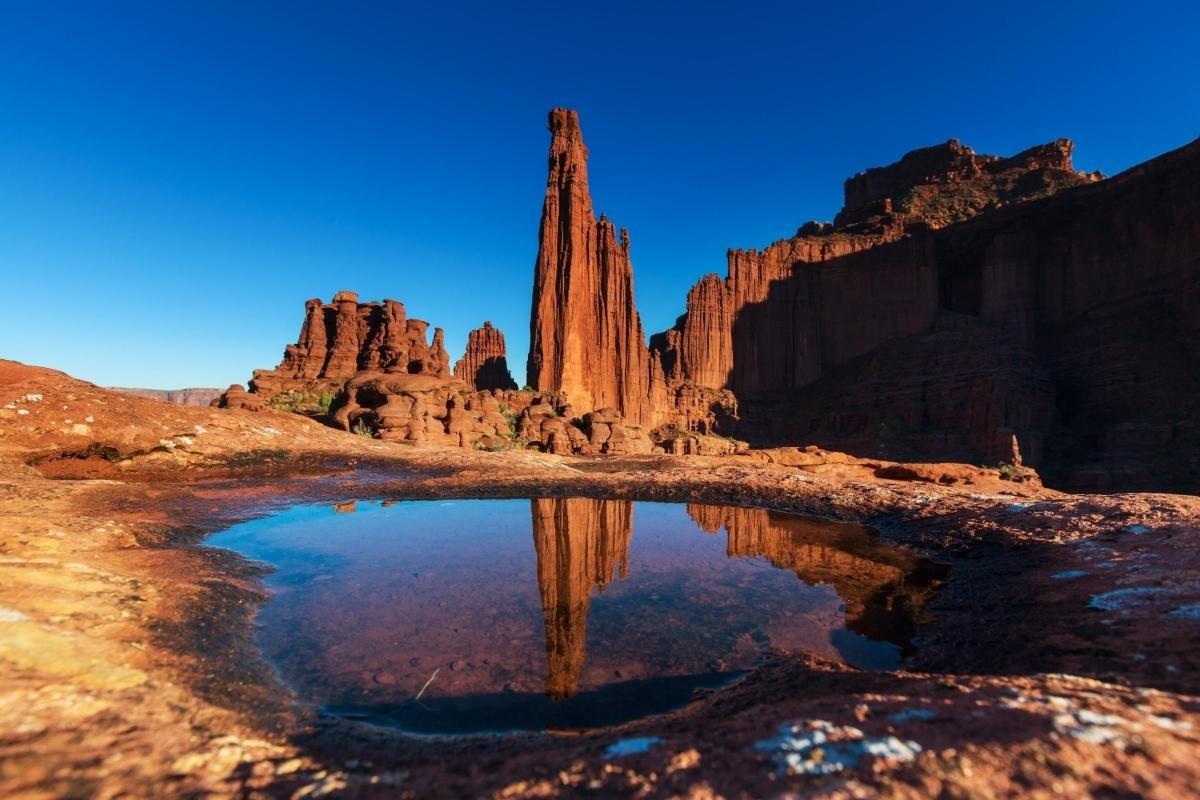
x=585, y=335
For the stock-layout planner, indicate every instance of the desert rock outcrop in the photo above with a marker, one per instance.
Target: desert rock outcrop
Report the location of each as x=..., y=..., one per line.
x=484, y=365
x=586, y=338
x=961, y=300
x=962, y=307
x=340, y=339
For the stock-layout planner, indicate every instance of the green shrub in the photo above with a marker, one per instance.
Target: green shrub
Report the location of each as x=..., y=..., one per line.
x=511, y=419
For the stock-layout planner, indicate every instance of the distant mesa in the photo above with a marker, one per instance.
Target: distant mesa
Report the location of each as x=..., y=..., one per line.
x=201, y=396
x=960, y=307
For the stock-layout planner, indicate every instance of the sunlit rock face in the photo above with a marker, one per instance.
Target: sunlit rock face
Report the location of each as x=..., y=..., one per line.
x=341, y=339
x=586, y=338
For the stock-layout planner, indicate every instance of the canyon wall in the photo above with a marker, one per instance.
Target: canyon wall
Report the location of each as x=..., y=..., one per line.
x=960, y=300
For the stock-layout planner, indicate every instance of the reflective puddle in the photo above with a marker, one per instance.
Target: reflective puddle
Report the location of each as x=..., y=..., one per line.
x=492, y=615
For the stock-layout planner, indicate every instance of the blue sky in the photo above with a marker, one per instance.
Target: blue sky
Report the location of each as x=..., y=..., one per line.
x=177, y=178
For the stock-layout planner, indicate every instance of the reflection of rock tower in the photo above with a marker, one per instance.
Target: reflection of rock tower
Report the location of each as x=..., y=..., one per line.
x=579, y=543
x=878, y=584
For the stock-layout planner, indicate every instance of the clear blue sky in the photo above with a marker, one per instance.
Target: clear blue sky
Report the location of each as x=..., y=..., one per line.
x=177, y=178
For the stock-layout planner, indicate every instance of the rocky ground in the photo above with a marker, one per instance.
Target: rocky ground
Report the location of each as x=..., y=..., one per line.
x=1061, y=659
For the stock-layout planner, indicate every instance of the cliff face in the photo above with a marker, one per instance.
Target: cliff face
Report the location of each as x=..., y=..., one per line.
x=484, y=365
x=961, y=299
x=774, y=321
x=586, y=338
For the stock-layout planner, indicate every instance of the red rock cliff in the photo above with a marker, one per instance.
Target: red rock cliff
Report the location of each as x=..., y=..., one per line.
x=484, y=365
x=586, y=338
x=962, y=299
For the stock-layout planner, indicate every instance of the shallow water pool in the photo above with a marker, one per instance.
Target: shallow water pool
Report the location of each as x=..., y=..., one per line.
x=459, y=616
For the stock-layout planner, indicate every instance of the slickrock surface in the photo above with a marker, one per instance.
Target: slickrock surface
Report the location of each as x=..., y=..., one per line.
x=1060, y=661
x=484, y=365
x=199, y=396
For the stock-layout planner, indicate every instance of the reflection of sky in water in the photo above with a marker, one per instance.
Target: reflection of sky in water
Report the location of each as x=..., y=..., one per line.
x=557, y=612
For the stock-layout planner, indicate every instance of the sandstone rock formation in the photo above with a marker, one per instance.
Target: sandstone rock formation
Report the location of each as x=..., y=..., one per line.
x=949, y=183
x=484, y=365
x=962, y=307
x=586, y=338
x=424, y=408
x=962, y=300
x=345, y=337
x=379, y=377
x=236, y=396
x=743, y=334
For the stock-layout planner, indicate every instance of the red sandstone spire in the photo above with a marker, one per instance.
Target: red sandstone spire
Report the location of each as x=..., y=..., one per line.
x=586, y=337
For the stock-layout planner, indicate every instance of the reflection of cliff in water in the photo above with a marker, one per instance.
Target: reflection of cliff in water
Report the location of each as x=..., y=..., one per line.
x=883, y=588
x=582, y=543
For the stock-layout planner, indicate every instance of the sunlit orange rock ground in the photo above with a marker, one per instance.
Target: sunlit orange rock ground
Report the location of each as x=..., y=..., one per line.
x=1062, y=658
